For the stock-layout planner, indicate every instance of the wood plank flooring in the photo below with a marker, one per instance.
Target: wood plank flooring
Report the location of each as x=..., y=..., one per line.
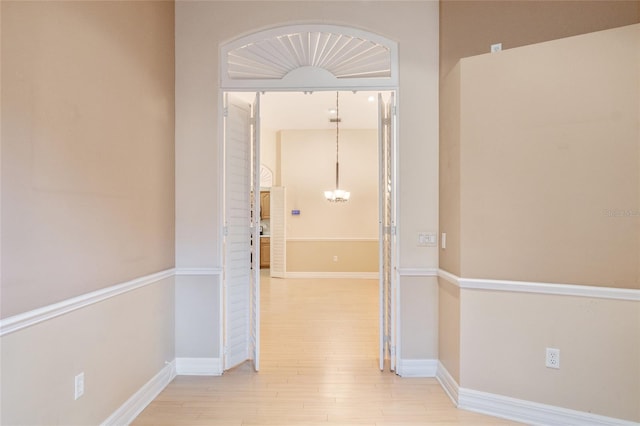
x=318, y=367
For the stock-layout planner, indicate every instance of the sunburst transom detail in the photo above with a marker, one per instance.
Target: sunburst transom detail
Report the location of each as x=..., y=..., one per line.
x=343, y=56
x=326, y=55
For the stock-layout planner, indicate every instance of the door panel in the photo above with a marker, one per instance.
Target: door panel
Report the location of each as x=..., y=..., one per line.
x=237, y=231
x=386, y=113
x=254, y=336
x=278, y=232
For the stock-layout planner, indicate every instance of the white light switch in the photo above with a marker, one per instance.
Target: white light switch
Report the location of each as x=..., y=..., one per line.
x=427, y=239
x=79, y=386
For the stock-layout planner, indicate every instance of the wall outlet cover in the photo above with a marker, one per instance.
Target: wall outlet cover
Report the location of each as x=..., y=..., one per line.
x=552, y=359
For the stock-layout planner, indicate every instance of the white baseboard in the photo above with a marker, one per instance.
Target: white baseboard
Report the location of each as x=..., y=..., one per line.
x=417, y=367
x=340, y=275
x=529, y=412
x=448, y=383
x=143, y=397
x=198, y=367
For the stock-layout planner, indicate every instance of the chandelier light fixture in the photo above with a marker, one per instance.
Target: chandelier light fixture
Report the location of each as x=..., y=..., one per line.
x=337, y=195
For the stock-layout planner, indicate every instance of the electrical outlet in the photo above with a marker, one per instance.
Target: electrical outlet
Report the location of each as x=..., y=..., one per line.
x=335, y=258
x=553, y=358
x=79, y=385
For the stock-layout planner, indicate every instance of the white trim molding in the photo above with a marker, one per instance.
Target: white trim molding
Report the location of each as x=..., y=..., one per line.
x=198, y=367
x=143, y=397
x=449, y=277
x=337, y=275
x=417, y=367
x=448, y=383
x=29, y=318
x=418, y=272
x=330, y=239
x=198, y=271
x=529, y=412
x=542, y=288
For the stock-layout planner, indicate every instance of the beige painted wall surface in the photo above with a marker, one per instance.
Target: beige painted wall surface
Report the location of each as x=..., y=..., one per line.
x=419, y=318
x=503, y=341
x=318, y=255
x=549, y=161
x=119, y=344
x=469, y=28
x=87, y=147
x=450, y=171
x=196, y=331
x=307, y=164
x=268, y=143
x=449, y=327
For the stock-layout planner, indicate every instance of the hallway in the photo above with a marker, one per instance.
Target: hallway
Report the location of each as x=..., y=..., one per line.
x=318, y=367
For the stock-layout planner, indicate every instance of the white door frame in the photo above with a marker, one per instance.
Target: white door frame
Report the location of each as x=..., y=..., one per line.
x=333, y=58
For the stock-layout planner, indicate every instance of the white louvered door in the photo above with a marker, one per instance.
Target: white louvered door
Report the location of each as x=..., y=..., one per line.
x=254, y=332
x=387, y=230
x=237, y=231
x=278, y=232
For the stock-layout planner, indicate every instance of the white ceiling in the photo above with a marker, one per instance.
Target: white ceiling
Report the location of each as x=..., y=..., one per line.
x=297, y=110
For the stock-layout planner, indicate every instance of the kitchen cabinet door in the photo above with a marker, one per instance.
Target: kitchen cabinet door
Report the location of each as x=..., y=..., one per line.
x=265, y=255
x=265, y=204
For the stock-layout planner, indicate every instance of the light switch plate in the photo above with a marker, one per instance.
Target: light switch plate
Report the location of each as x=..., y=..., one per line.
x=79, y=385
x=427, y=239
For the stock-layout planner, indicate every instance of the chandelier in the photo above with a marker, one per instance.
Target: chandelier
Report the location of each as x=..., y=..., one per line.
x=337, y=195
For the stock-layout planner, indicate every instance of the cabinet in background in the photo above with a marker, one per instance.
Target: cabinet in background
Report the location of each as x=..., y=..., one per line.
x=265, y=204
x=265, y=255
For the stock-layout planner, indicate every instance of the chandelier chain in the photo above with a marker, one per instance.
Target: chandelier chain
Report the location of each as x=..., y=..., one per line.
x=337, y=195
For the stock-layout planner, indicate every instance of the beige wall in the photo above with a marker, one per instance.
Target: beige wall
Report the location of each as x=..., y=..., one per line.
x=419, y=318
x=87, y=202
x=196, y=331
x=323, y=230
x=469, y=28
x=318, y=255
x=549, y=144
x=308, y=164
x=503, y=341
x=449, y=327
x=450, y=171
x=268, y=157
x=87, y=147
x=119, y=344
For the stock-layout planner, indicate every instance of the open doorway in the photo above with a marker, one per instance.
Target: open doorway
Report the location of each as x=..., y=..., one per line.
x=309, y=58
x=300, y=142
x=298, y=135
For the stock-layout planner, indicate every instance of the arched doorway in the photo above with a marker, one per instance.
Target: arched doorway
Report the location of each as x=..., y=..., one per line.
x=297, y=58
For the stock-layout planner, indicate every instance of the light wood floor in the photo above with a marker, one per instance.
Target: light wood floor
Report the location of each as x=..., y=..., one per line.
x=318, y=367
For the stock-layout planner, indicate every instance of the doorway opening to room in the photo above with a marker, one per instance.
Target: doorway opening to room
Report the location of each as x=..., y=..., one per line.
x=243, y=164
